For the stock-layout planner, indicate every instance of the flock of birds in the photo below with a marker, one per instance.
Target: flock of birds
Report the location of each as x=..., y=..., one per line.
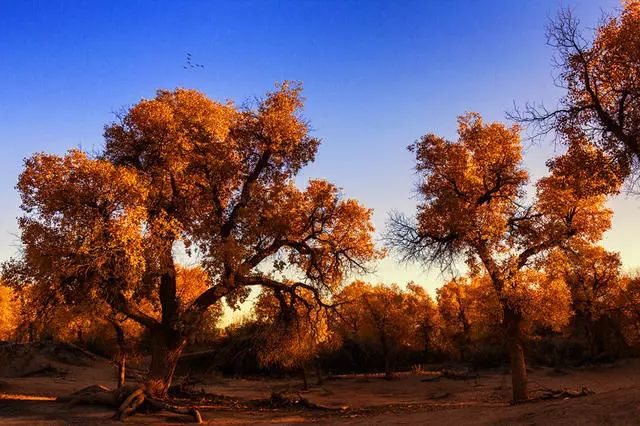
x=189, y=64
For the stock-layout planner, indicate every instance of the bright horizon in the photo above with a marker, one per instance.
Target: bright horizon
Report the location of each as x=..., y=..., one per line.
x=376, y=77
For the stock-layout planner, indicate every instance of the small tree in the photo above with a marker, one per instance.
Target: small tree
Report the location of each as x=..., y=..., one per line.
x=593, y=276
x=470, y=314
x=292, y=332
x=629, y=303
x=386, y=318
x=474, y=206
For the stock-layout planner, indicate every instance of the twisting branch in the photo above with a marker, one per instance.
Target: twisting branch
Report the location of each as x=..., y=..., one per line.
x=413, y=245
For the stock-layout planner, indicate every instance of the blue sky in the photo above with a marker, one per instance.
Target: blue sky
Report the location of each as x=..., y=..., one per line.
x=377, y=75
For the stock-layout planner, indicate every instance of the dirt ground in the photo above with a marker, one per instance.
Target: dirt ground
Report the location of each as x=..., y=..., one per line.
x=353, y=400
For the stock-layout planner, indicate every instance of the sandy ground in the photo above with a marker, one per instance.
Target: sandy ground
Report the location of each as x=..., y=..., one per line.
x=371, y=400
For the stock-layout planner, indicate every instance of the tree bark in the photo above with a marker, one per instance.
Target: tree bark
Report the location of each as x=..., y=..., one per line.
x=166, y=347
x=122, y=352
x=513, y=323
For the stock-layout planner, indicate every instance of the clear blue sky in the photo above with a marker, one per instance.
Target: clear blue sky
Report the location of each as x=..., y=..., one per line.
x=377, y=75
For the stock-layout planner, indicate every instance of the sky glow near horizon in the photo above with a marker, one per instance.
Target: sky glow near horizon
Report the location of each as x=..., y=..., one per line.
x=377, y=76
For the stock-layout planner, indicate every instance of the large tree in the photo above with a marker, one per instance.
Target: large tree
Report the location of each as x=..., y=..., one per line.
x=181, y=170
x=601, y=77
x=474, y=206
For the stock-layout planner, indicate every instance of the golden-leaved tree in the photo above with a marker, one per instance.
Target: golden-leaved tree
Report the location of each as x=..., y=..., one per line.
x=387, y=318
x=183, y=170
x=594, y=278
x=470, y=314
x=292, y=333
x=601, y=76
x=473, y=206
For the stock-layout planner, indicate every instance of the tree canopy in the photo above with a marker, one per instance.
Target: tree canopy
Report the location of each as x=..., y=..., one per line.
x=183, y=170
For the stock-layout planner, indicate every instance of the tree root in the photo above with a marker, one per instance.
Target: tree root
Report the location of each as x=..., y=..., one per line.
x=129, y=400
x=292, y=400
x=452, y=374
x=565, y=393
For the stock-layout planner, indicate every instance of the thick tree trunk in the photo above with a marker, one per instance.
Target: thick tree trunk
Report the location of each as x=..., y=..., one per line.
x=166, y=347
x=513, y=326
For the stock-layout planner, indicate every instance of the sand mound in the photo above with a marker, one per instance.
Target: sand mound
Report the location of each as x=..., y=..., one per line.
x=42, y=359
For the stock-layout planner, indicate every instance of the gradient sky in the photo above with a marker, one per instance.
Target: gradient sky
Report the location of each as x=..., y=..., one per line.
x=377, y=75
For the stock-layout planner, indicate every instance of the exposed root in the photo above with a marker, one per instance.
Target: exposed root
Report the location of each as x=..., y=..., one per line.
x=131, y=403
x=548, y=394
x=293, y=400
x=128, y=400
x=452, y=374
x=94, y=395
x=566, y=393
x=160, y=405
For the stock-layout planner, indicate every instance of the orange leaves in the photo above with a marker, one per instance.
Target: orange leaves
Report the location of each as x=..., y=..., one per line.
x=280, y=124
x=592, y=275
x=386, y=315
x=602, y=81
x=8, y=312
x=470, y=184
x=474, y=205
x=291, y=332
x=573, y=196
x=182, y=168
x=83, y=208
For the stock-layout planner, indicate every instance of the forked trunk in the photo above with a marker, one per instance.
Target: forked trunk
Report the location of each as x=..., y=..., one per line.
x=166, y=348
x=513, y=326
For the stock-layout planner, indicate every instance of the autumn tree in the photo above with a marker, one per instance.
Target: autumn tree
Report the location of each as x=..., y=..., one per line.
x=473, y=207
x=387, y=318
x=629, y=303
x=181, y=170
x=470, y=314
x=601, y=77
x=593, y=276
x=293, y=333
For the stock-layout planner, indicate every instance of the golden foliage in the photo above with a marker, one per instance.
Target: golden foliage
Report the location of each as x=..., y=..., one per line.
x=8, y=313
x=387, y=318
x=474, y=204
x=292, y=331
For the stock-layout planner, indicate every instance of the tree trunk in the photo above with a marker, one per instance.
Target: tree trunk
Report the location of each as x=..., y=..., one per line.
x=122, y=351
x=122, y=369
x=166, y=347
x=513, y=326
